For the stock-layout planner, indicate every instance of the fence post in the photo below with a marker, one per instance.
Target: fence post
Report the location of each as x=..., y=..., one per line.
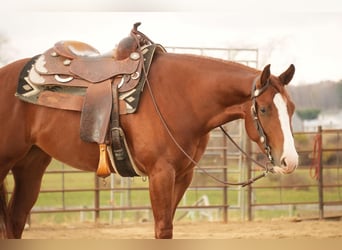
x=249, y=175
x=225, y=179
x=320, y=174
x=97, y=198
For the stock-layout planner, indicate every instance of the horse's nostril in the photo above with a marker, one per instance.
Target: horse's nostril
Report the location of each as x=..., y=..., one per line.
x=283, y=162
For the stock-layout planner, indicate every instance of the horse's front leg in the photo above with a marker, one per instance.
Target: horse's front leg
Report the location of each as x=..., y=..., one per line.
x=183, y=181
x=161, y=185
x=181, y=184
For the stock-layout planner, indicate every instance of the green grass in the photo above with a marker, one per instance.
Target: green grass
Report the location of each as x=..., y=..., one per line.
x=85, y=180
x=308, y=192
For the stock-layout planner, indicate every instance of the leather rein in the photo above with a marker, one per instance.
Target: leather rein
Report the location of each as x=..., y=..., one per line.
x=254, y=108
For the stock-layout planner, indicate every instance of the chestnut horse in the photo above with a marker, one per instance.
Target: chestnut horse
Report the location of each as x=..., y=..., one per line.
x=190, y=95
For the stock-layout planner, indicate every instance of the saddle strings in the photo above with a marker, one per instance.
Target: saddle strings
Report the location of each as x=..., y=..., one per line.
x=135, y=34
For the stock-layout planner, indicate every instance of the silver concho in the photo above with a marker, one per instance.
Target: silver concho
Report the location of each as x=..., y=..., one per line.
x=134, y=55
x=67, y=62
x=40, y=65
x=135, y=75
x=63, y=80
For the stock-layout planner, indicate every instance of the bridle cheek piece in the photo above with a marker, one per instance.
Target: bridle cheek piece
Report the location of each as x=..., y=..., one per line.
x=254, y=112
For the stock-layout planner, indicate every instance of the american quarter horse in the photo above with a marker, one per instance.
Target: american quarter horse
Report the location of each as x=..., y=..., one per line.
x=190, y=94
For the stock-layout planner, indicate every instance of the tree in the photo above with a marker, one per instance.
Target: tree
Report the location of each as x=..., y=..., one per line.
x=339, y=93
x=308, y=114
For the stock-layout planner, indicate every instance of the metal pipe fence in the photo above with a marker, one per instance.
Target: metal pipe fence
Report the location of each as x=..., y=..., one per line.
x=317, y=183
x=314, y=190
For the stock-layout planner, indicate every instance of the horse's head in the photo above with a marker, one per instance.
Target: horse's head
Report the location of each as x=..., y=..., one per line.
x=268, y=119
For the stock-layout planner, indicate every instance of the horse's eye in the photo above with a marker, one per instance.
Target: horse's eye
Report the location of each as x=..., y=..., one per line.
x=263, y=110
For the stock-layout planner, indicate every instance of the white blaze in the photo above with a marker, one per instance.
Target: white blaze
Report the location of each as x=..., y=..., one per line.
x=289, y=151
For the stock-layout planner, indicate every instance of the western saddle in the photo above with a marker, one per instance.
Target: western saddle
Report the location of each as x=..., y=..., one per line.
x=75, y=76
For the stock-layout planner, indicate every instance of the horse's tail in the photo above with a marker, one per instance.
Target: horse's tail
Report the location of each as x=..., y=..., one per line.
x=3, y=210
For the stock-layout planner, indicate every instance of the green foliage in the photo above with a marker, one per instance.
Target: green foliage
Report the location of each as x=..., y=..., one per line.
x=301, y=140
x=308, y=114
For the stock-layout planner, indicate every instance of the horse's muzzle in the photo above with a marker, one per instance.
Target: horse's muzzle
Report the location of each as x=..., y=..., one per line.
x=288, y=164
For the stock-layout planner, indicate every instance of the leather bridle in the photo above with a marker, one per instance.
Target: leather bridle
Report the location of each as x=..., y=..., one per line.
x=254, y=112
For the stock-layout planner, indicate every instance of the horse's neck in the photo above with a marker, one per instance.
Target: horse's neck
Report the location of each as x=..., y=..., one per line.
x=224, y=88
x=203, y=89
x=231, y=107
x=219, y=77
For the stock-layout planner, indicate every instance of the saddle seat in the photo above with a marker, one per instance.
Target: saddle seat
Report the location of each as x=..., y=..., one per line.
x=81, y=60
x=73, y=49
x=77, y=64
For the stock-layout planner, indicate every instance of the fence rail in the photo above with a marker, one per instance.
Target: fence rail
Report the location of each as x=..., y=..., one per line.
x=314, y=190
x=322, y=150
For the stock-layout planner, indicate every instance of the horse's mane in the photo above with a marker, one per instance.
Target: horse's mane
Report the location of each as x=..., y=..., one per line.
x=229, y=64
x=218, y=60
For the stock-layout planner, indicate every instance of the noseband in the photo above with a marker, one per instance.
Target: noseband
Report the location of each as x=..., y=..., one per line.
x=254, y=112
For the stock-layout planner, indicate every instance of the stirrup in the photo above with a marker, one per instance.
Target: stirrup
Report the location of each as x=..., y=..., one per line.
x=103, y=169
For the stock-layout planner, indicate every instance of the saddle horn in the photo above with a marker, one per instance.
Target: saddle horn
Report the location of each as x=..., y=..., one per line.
x=140, y=37
x=136, y=25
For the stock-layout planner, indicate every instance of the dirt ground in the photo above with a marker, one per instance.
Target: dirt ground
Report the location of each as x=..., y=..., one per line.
x=275, y=229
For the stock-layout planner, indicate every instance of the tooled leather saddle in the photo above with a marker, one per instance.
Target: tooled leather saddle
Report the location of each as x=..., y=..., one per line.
x=75, y=76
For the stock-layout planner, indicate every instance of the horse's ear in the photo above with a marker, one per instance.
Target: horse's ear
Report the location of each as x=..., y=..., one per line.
x=265, y=75
x=286, y=77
